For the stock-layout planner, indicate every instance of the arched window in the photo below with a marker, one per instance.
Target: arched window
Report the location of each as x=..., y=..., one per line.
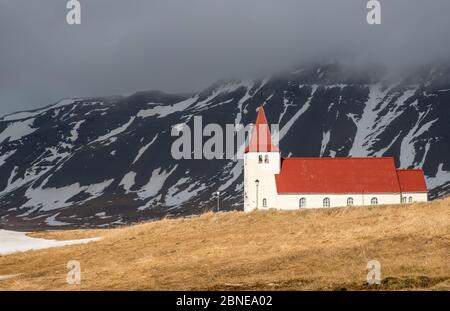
x=266, y=158
x=326, y=202
x=349, y=201
x=264, y=202
x=260, y=159
x=403, y=199
x=302, y=202
x=374, y=201
x=410, y=199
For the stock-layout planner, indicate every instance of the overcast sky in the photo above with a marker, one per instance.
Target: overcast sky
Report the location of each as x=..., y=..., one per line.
x=185, y=45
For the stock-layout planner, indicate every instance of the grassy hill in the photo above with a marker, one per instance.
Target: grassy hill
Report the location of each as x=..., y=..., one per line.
x=296, y=250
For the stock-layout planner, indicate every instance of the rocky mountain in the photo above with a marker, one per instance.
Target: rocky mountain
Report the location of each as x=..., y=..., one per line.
x=107, y=161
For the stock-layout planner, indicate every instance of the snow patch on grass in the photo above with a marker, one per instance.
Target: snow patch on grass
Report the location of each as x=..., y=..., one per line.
x=12, y=242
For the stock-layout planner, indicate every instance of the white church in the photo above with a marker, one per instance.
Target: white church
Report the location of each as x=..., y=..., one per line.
x=271, y=181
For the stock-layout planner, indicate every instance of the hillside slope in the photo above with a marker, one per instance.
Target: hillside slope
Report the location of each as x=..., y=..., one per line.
x=107, y=161
x=307, y=249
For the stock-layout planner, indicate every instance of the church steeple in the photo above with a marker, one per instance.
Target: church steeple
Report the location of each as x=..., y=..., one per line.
x=261, y=140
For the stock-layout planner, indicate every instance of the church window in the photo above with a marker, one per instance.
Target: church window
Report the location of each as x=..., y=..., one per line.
x=374, y=201
x=266, y=159
x=350, y=201
x=260, y=159
x=302, y=202
x=264, y=202
x=410, y=199
x=326, y=202
x=403, y=199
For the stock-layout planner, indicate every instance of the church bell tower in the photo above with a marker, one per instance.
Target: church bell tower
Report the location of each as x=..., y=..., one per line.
x=261, y=162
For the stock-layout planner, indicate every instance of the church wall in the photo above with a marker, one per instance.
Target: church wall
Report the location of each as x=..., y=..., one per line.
x=291, y=201
x=415, y=196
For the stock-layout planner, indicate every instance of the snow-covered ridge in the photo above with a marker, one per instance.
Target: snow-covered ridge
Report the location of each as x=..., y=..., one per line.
x=27, y=114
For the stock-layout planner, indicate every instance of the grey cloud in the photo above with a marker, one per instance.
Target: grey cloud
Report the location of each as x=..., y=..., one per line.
x=184, y=45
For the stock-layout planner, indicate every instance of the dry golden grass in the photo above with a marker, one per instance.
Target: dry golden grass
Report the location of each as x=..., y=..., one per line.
x=300, y=250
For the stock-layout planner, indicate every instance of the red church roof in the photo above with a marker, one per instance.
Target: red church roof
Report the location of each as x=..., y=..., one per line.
x=337, y=175
x=261, y=140
x=412, y=180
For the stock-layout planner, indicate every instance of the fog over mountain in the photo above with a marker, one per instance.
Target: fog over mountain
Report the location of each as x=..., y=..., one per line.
x=181, y=46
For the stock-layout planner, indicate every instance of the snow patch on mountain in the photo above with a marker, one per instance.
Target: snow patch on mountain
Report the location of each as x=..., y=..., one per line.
x=162, y=111
x=223, y=89
x=175, y=197
x=441, y=178
x=5, y=156
x=364, y=126
x=74, y=132
x=28, y=114
x=114, y=132
x=241, y=101
x=17, y=130
x=47, y=199
x=285, y=129
x=30, y=175
x=236, y=172
x=95, y=190
x=128, y=181
x=144, y=148
x=286, y=103
x=325, y=141
x=51, y=221
x=155, y=183
x=407, y=147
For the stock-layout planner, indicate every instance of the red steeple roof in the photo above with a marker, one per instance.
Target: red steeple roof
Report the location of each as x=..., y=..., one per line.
x=261, y=140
